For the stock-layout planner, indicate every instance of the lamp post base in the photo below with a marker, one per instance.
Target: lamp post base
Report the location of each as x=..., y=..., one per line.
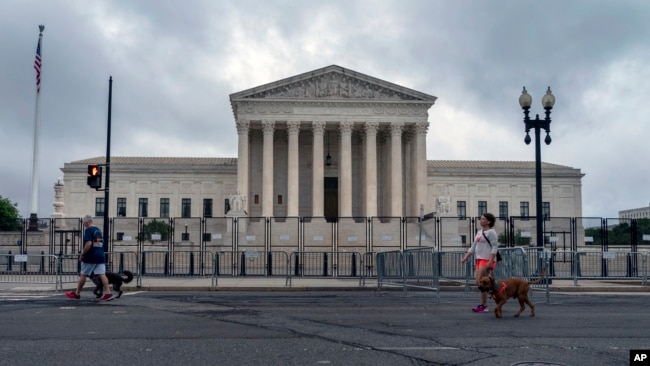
x=33, y=223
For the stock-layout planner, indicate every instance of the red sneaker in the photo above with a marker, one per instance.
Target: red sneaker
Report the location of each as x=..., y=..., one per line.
x=72, y=295
x=480, y=309
x=106, y=297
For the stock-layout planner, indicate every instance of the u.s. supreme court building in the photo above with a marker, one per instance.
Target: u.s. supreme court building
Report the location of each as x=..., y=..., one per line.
x=331, y=158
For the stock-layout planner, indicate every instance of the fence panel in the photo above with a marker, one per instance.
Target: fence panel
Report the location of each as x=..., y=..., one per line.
x=325, y=264
x=186, y=263
x=251, y=233
x=416, y=235
x=455, y=233
x=412, y=268
x=611, y=265
x=187, y=234
x=218, y=233
x=125, y=234
x=385, y=233
x=30, y=268
x=352, y=234
x=589, y=232
x=317, y=235
x=451, y=269
x=284, y=234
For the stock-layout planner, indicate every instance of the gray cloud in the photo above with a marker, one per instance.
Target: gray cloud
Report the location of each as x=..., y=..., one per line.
x=175, y=63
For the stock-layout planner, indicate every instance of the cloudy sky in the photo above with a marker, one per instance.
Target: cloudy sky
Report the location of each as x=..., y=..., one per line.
x=175, y=63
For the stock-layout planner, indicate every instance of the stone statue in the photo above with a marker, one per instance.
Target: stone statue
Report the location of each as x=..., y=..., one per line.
x=238, y=202
x=444, y=206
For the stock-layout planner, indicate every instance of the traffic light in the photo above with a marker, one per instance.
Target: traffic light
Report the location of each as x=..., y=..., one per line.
x=95, y=176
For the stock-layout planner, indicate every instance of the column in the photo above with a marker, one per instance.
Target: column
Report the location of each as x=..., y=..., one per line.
x=371, y=169
x=408, y=157
x=243, y=127
x=345, y=170
x=267, y=170
x=318, y=162
x=420, y=176
x=396, y=173
x=293, y=131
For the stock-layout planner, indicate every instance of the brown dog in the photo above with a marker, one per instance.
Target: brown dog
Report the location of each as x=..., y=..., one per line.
x=502, y=291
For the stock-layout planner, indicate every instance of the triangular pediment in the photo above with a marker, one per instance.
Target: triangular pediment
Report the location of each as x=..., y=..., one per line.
x=332, y=83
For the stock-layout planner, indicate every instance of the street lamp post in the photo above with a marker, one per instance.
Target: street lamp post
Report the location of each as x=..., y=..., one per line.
x=537, y=124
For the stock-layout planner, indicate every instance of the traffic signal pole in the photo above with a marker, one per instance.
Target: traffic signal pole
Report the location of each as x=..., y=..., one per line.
x=108, y=167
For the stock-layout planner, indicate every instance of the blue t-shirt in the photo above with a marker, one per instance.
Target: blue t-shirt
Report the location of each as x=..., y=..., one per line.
x=96, y=252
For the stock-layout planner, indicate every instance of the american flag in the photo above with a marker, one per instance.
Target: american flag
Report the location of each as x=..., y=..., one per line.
x=37, y=65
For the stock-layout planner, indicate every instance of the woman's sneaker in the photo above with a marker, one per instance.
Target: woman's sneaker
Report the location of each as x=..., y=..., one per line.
x=72, y=295
x=480, y=309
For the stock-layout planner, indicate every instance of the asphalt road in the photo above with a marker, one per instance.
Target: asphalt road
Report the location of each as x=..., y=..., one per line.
x=316, y=328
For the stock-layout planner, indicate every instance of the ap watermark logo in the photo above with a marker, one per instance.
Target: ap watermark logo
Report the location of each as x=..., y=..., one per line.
x=639, y=357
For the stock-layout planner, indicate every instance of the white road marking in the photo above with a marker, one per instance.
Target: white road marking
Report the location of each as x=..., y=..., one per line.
x=415, y=348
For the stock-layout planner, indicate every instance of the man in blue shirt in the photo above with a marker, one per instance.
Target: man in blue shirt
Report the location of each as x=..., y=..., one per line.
x=92, y=260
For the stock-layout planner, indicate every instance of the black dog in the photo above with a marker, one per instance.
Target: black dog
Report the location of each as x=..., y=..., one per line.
x=115, y=279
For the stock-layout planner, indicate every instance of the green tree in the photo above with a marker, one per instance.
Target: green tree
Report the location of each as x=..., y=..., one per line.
x=642, y=227
x=620, y=234
x=596, y=233
x=155, y=227
x=9, y=215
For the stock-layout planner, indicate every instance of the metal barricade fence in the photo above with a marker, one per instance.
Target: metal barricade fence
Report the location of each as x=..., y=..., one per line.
x=611, y=265
x=417, y=267
x=410, y=268
x=252, y=263
x=226, y=263
x=369, y=267
x=187, y=263
x=516, y=262
x=562, y=264
x=450, y=268
x=30, y=268
x=69, y=267
x=326, y=264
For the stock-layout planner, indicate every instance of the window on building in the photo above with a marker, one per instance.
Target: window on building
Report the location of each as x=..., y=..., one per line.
x=143, y=207
x=461, y=209
x=546, y=210
x=279, y=199
x=164, y=207
x=207, y=207
x=226, y=206
x=503, y=210
x=524, y=210
x=482, y=207
x=121, y=207
x=186, y=207
x=99, y=207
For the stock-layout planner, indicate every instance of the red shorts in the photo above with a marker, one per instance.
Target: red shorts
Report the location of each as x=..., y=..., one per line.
x=483, y=263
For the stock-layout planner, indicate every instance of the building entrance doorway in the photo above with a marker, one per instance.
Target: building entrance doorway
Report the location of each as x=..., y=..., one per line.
x=331, y=202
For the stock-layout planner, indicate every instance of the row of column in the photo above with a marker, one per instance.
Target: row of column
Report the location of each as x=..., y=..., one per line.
x=417, y=164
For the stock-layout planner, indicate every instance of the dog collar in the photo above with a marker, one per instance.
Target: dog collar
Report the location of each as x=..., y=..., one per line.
x=498, y=289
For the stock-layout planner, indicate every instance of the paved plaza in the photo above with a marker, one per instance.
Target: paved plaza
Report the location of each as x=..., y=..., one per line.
x=185, y=323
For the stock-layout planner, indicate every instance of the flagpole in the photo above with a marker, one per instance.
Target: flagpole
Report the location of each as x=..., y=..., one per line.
x=33, y=216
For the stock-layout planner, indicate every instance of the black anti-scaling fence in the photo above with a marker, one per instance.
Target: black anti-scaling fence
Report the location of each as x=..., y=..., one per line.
x=311, y=234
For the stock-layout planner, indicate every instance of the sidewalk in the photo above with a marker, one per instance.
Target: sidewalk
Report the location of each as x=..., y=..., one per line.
x=314, y=284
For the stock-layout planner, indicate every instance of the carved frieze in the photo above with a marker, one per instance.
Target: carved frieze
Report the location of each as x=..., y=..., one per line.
x=332, y=86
